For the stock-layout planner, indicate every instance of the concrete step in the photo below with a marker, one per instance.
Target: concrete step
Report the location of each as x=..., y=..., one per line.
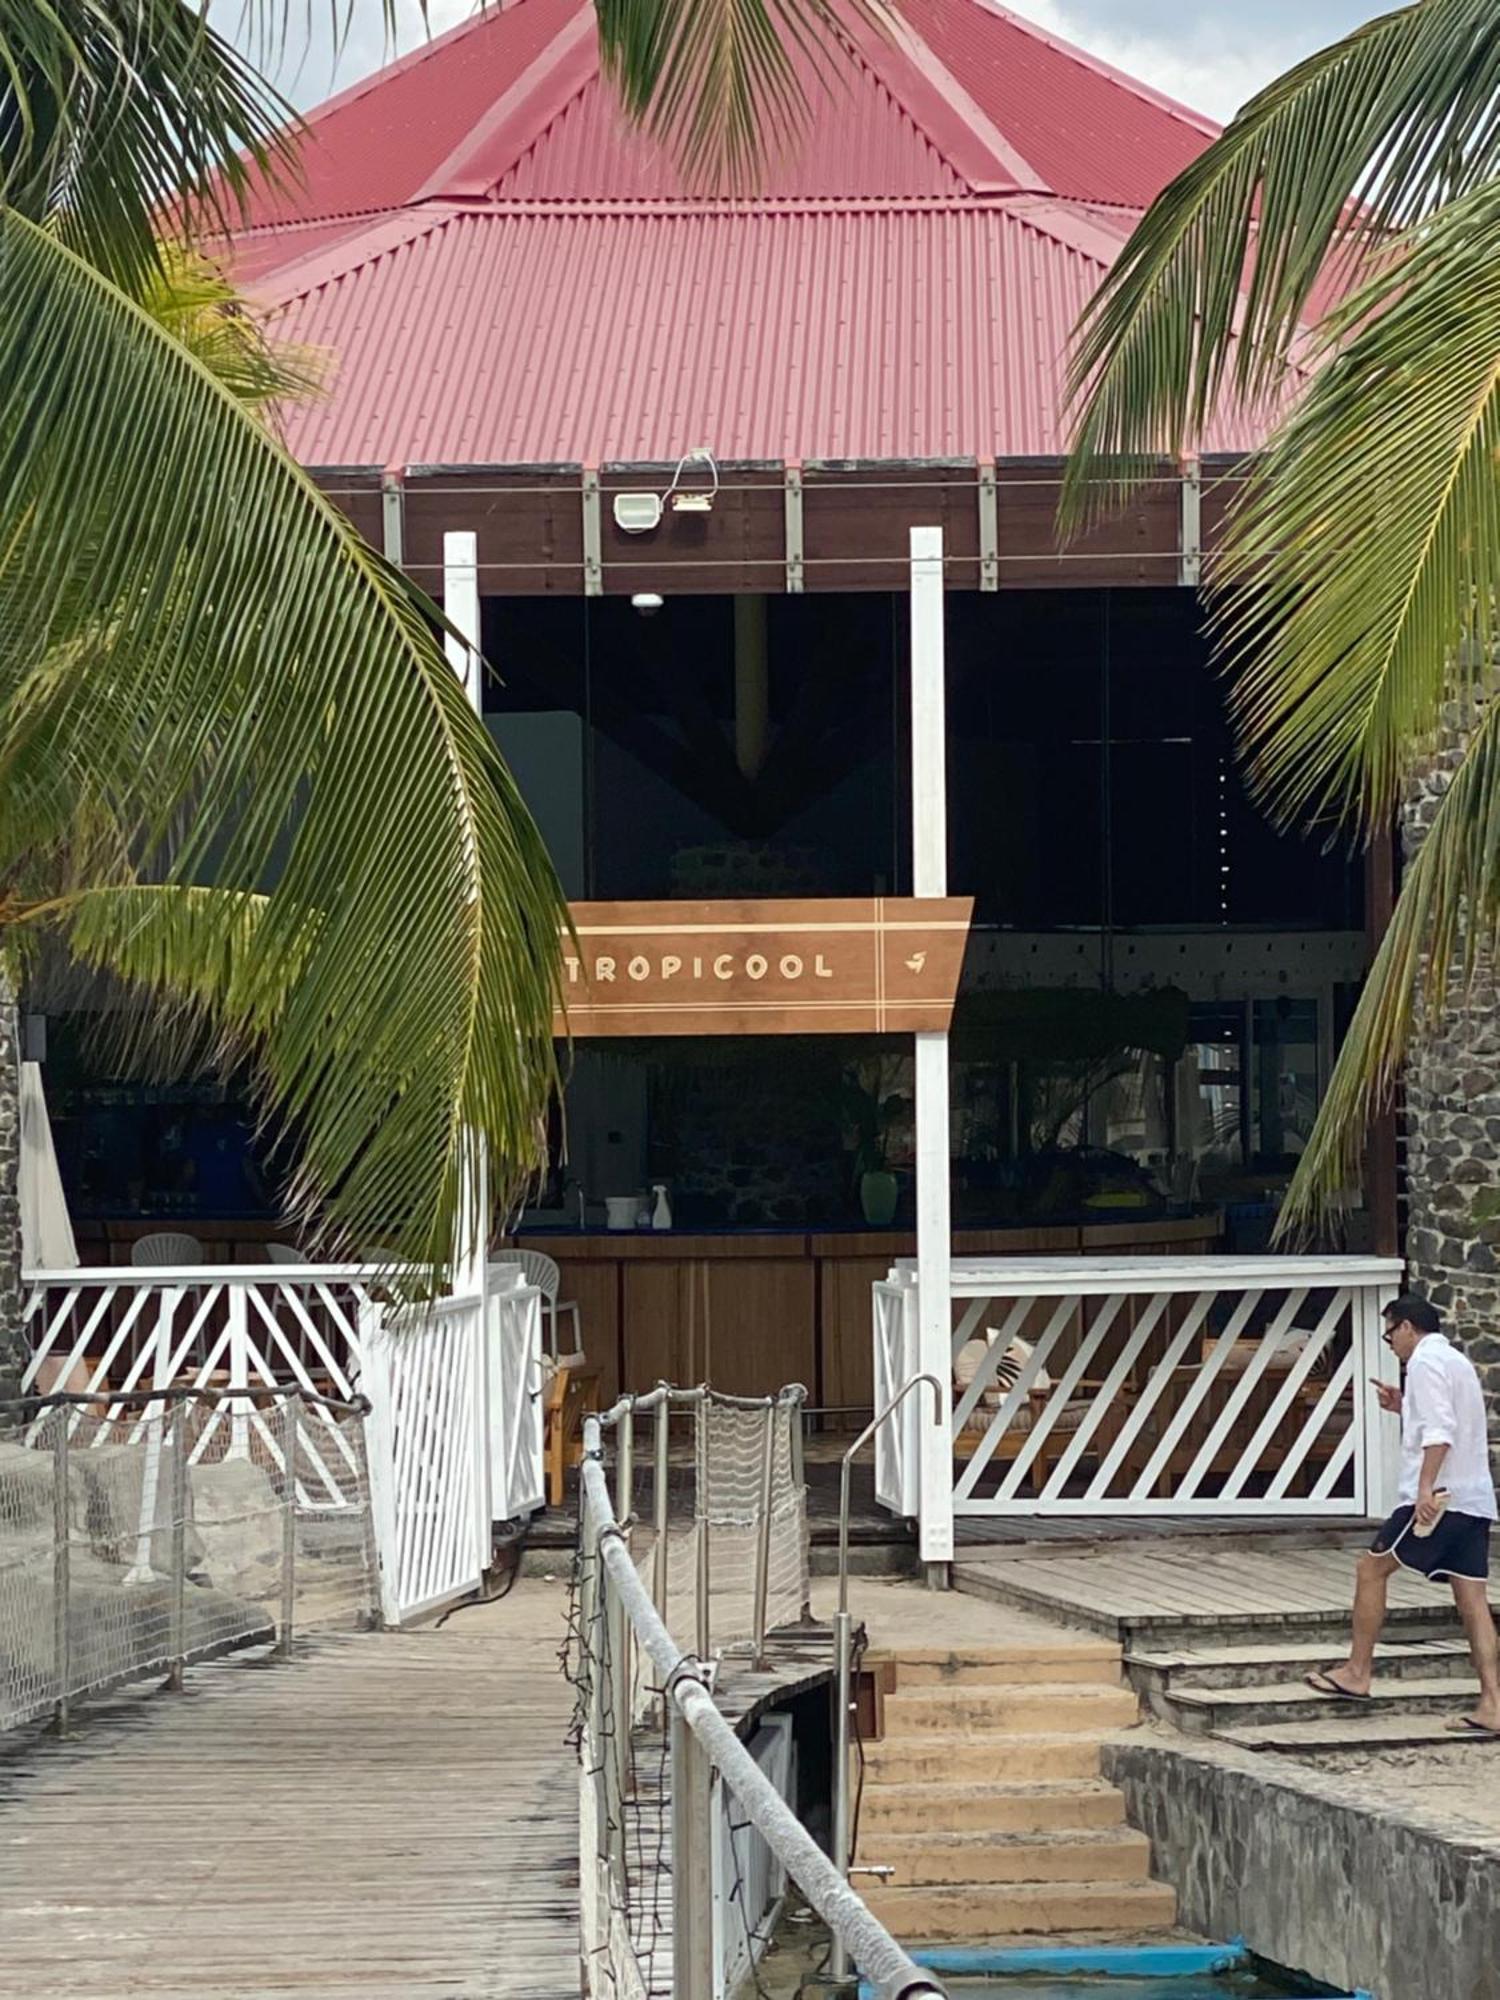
x=1153, y=1672
x=1172, y=1631
x=1343, y=1729
x=972, y=1914
x=966, y=1758
x=923, y=1860
x=1052, y=1708
x=1209, y=1711
x=1049, y=1806
x=1094, y=1661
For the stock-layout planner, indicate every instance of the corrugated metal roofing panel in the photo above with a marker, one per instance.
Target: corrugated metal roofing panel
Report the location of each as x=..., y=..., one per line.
x=375, y=144
x=1089, y=131
x=858, y=141
x=497, y=338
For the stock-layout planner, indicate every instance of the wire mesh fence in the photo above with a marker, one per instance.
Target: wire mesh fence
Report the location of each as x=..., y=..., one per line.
x=139, y=1535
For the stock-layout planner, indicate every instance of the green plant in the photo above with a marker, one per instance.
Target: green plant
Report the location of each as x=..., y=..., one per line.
x=236, y=768
x=1331, y=266
x=873, y=1108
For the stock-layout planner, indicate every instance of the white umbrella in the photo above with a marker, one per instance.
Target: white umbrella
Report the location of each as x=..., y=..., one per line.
x=46, y=1230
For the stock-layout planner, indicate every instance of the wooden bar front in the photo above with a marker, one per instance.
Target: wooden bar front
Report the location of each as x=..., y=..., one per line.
x=752, y=1312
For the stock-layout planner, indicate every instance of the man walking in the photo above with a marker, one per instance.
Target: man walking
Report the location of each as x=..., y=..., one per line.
x=1441, y=1529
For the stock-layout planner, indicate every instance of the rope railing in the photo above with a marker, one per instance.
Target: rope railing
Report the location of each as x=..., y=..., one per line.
x=620, y=1620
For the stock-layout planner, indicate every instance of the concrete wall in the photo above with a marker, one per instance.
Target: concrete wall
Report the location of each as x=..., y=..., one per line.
x=1312, y=1873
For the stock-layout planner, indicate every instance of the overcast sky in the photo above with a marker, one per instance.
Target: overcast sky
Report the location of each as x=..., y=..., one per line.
x=1210, y=53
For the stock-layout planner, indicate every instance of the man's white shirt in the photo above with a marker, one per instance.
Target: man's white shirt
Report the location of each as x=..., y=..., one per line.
x=1443, y=1403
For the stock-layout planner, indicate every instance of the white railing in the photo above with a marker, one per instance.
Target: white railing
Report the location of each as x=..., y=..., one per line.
x=1155, y=1385
x=454, y=1391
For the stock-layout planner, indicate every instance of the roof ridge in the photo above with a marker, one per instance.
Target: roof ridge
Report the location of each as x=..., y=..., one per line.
x=522, y=113
x=351, y=93
x=961, y=132
x=1086, y=59
x=390, y=229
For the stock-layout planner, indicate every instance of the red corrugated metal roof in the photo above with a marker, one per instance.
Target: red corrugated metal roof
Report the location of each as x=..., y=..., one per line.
x=1089, y=131
x=505, y=274
x=562, y=337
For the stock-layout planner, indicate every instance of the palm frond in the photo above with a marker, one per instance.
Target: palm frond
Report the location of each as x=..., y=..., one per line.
x=1360, y=579
x=194, y=301
x=1206, y=303
x=1444, y=933
x=266, y=710
x=110, y=108
x=717, y=80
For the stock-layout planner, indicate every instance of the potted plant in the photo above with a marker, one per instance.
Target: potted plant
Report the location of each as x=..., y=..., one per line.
x=872, y=1111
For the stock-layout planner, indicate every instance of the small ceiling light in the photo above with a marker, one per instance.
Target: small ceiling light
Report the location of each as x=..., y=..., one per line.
x=647, y=602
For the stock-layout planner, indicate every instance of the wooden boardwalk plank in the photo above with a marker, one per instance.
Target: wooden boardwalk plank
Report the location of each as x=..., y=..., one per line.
x=390, y=1814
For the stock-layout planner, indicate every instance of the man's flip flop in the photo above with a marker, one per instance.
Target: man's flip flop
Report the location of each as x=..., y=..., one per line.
x=1465, y=1725
x=1326, y=1685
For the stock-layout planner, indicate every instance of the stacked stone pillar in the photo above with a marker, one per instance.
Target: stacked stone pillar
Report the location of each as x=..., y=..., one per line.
x=1453, y=1128
x=11, y=1346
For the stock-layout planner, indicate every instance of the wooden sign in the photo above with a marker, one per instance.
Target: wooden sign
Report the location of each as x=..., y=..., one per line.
x=876, y=965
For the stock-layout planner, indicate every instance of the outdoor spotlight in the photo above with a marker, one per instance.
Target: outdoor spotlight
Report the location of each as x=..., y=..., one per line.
x=647, y=602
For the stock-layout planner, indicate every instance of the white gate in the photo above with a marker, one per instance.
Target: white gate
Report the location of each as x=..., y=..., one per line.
x=515, y=1396
x=1157, y=1385
x=897, y=1486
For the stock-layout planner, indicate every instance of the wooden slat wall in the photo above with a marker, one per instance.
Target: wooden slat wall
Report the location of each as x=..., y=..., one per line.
x=855, y=526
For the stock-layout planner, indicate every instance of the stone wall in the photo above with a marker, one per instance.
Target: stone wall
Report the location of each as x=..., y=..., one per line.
x=11, y=1343
x=1315, y=1872
x=1452, y=1091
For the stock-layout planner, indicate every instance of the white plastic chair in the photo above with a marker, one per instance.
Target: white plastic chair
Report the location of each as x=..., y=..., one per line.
x=538, y=1269
x=167, y=1246
x=285, y=1253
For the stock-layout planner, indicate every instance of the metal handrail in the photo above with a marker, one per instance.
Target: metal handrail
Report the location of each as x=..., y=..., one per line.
x=662, y=1400
x=700, y=1733
x=843, y=1644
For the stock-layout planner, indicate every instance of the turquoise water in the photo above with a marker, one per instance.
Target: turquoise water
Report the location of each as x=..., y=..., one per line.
x=1081, y=1986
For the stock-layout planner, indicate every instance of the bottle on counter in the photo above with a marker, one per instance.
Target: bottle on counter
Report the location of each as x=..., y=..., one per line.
x=661, y=1215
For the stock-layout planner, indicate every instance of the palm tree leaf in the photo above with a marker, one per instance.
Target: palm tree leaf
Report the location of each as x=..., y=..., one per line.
x=711, y=78
x=267, y=709
x=109, y=107
x=1208, y=301
x=191, y=298
x=1361, y=572
x=1443, y=934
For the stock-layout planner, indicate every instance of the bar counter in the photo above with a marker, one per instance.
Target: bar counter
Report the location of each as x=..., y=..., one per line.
x=753, y=1309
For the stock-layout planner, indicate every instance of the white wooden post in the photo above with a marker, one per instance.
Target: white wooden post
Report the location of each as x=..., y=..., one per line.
x=929, y=812
x=471, y=1250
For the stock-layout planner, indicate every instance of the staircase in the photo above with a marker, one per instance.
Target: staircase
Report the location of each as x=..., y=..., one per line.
x=1257, y=1696
x=1219, y=1634
x=982, y=1796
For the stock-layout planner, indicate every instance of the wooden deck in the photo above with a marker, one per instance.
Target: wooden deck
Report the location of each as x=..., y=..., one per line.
x=1131, y=1590
x=389, y=1816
